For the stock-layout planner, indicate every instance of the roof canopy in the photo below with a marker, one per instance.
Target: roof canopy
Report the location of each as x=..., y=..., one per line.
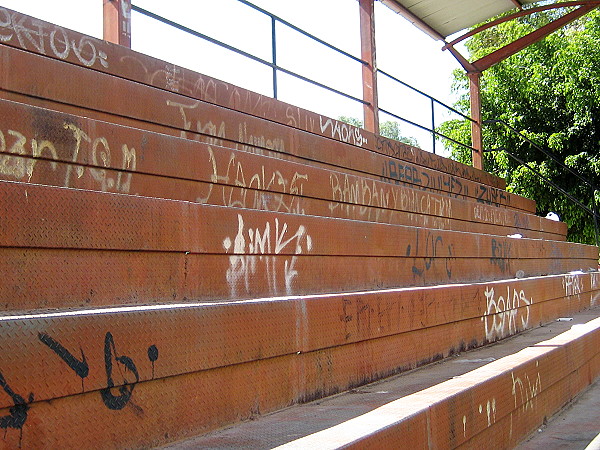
x=442, y=18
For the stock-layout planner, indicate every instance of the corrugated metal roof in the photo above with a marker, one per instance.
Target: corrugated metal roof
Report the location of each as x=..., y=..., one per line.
x=442, y=18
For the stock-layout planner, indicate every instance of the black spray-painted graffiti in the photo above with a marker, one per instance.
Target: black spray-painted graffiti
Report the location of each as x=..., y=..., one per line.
x=111, y=400
x=152, y=356
x=115, y=401
x=80, y=368
x=407, y=174
x=434, y=248
x=17, y=414
x=491, y=196
x=501, y=252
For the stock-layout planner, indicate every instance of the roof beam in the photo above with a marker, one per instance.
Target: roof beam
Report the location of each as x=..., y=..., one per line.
x=516, y=15
x=508, y=50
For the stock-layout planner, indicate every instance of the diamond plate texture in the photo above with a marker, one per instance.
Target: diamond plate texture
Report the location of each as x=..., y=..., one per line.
x=130, y=162
x=180, y=262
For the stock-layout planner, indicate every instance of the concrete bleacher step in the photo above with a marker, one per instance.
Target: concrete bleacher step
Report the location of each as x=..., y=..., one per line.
x=145, y=376
x=172, y=113
x=33, y=35
x=115, y=246
x=69, y=152
x=179, y=254
x=489, y=397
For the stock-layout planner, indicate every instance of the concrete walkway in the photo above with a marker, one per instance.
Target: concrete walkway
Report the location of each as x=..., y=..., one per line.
x=574, y=429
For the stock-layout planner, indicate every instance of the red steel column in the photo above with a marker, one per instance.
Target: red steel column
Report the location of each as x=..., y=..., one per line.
x=369, y=71
x=117, y=22
x=476, y=139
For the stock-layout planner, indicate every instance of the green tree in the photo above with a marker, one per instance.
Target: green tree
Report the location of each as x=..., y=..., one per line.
x=550, y=92
x=389, y=129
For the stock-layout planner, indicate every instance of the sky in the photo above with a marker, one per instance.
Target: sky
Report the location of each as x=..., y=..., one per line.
x=402, y=50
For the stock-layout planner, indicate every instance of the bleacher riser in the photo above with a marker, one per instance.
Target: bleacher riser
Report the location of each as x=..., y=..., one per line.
x=75, y=152
x=179, y=254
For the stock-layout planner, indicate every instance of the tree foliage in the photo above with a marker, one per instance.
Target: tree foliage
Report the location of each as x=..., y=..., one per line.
x=550, y=92
x=389, y=129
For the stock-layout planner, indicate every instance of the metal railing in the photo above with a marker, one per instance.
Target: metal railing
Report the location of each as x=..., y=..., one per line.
x=276, y=68
x=435, y=134
x=273, y=63
x=592, y=211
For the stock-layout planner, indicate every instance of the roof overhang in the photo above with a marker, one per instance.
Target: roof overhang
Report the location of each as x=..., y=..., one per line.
x=442, y=18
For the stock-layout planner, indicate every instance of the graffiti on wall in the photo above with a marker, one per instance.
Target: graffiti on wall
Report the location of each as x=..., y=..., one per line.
x=505, y=314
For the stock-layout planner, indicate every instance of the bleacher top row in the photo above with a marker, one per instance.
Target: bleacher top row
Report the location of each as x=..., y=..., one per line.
x=42, y=38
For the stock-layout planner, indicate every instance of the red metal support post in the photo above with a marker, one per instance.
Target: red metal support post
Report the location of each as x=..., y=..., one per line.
x=117, y=22
x=476, y=137
x=369, y=71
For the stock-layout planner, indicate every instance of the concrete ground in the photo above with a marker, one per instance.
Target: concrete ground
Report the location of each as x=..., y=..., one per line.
x=574, y=428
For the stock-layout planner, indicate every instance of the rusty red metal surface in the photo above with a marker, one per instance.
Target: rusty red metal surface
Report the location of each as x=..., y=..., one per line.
x=117, y=22
x=47, y=278
x=105, y=57
x=148, y=189
x=178, y=114
x=499, y=403
x=217, y=365
x=476, y=132
x=369, y=71
x=249, y=253
x=67, y=151
x=50, y=217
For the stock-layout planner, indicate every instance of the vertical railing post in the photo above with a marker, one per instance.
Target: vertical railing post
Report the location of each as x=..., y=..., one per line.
x=476, y=138
x=274, y=53
x=117, y=22
x=595, y=218
x=433, y=123
x=369, y=71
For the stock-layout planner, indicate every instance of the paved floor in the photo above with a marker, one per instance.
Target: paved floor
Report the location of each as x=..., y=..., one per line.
x=574, y=429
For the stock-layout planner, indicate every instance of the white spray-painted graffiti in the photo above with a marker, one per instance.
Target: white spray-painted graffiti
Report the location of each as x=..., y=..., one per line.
x=218, y=131
x=505, y=315
x=228, y=176
x=526, y=392
x=490, y=410
x=254, y=252
x=489, y=214
x=24, y=153
x=37, y=35
x=572, y=284
x=595, y=284
x=299, y=118
x=358, y=196
x=342, y=131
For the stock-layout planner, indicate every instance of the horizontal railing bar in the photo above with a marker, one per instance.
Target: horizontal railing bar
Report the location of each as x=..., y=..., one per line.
x=425, y=95
x=548, y=154
x=198, y=34
x=302, y=77
x=301, y=31
x=543, y=177
x=435, y=133
x=243, y=53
